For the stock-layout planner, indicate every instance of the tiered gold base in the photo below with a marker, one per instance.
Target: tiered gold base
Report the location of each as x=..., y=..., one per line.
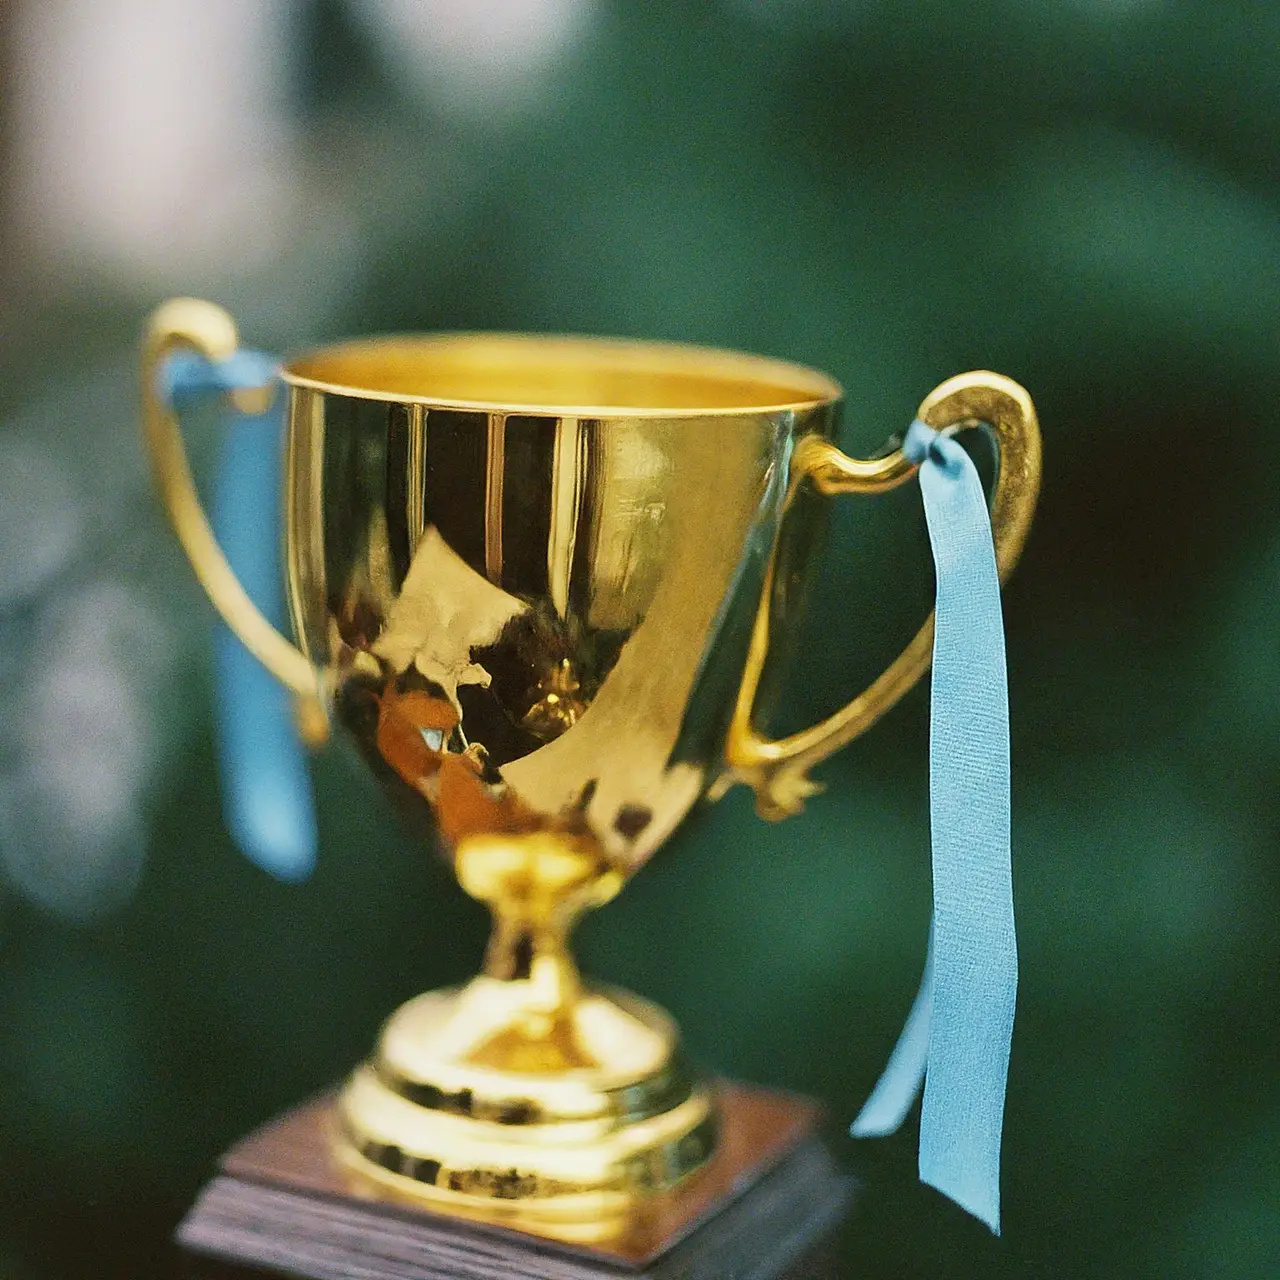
x=477, y=1105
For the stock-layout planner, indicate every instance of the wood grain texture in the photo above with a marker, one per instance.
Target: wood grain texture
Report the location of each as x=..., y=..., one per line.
x=281, y=1205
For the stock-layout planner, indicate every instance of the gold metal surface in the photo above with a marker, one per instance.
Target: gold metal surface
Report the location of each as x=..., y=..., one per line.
x=778, y=770
x=535, y=576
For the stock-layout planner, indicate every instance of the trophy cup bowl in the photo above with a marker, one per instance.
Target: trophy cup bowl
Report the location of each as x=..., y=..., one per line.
x=535, y=580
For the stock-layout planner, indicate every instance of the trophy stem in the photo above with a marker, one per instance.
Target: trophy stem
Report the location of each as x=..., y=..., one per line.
x=522, y=949
x=537, y=886
x=526, y=1095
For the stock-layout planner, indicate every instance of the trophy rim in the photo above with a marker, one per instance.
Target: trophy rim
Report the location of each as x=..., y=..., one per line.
x=750, y=385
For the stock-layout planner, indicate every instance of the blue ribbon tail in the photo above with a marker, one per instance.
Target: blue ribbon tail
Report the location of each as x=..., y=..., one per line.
x=267, y=797
x=965, y=1009
x=899, y=1086
x=266, y=785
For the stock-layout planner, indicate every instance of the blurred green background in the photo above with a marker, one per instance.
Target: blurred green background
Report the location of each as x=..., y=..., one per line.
x=1079, y=194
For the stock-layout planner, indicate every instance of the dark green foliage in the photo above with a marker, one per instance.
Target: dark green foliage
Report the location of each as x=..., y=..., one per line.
x=1081, y=195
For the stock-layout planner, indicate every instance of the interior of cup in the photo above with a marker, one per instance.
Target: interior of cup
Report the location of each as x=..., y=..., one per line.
x=586, y=377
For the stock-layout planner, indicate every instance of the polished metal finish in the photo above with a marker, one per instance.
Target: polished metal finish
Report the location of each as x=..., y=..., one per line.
x=778, y=770
x=534, y=580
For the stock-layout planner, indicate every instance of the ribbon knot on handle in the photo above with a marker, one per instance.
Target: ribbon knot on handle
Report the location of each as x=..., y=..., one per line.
x=957, y=1036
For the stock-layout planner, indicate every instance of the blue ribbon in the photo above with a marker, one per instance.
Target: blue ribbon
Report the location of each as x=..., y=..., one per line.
x=266, y=787
x=958, y=1033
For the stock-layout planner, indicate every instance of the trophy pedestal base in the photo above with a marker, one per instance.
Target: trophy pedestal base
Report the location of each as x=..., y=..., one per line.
x=759, y=1210
x=482, y=1104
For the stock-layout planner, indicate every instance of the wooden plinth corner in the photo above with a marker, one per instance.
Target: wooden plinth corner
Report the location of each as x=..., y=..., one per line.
x=761, y=1210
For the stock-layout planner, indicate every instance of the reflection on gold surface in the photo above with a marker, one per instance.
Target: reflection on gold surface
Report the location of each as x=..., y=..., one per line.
x=559, y=600
x=444, y=613
x=527, y=671
x=537, y=577
x=558, y=706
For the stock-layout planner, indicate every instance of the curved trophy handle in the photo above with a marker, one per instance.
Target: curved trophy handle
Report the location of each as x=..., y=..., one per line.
x=778, y=769
x=210, y=331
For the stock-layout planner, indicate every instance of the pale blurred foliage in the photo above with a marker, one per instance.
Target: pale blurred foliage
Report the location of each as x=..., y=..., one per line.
x=155, y=149
x=155, y=142
x=486, y=57
x=153, y=139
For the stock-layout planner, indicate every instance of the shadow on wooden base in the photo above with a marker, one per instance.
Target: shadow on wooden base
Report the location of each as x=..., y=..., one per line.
x=759, y=1211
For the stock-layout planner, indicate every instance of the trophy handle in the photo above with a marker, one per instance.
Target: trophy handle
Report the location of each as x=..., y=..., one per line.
x=188, y=323
x=777, y=768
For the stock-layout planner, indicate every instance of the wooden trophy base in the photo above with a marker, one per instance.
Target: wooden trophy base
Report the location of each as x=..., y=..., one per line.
x=760, y=1210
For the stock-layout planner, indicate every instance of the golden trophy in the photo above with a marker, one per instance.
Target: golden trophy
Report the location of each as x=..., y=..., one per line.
x=537, y=580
